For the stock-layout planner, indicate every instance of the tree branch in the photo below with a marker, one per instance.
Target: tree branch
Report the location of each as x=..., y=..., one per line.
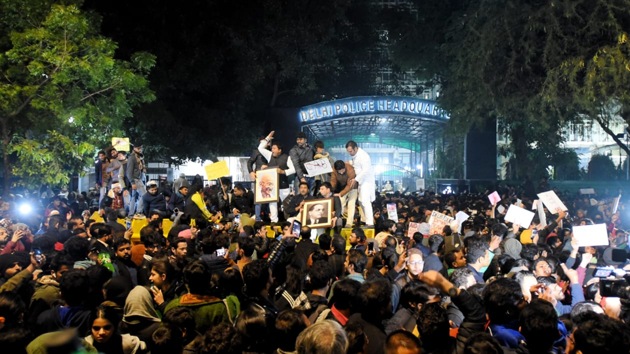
x=620, y=143
x=98, y=92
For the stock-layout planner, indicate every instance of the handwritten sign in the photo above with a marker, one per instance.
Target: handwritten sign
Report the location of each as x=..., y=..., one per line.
x=551, y=201
x=413, y=228
x=591, y=235
x=494, y=198
x=120, y=144
x=217, y=170
x=392, y=214
x=437, y=221
x=318, y=167
x=520, y=216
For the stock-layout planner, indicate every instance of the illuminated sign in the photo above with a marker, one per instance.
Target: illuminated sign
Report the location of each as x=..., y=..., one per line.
x=372, y=105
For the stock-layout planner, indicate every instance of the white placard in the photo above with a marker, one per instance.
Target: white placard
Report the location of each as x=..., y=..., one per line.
x=551, y=201
x=616, y=206
x=520, y=216
x=392, y=214
x=587, y=191
x=500, y=209
x=494, y=198
x=591, y=235
x=535, y=204
x=461, y=217
x=318, y=167
x=541, y=215
x=420, y=184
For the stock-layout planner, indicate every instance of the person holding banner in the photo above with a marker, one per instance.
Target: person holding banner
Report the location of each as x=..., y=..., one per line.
x=362, y=164
x=283, y=164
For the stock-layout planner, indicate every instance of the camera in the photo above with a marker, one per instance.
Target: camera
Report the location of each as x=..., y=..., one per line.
x=614, y=288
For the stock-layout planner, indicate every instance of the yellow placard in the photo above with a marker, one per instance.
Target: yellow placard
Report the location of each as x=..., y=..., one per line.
x=217, y=170
x=120, y=144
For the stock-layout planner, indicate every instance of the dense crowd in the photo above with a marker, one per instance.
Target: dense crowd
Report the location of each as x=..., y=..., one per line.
x=229, y=275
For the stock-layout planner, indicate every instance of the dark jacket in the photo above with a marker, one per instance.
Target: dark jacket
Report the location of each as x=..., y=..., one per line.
x=300, y=155
x=60, y=317
x=153, y=202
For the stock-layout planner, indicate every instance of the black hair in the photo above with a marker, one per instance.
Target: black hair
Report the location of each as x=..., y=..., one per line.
x=360, y=234
x=345, y=294
x=476, y=249
x=77, y=248
x=351, y=144
x=247, y=245
x=539, y=321
x=358, y=259
x=501, y=299
x=120, y=241
x=320, y=274
x=339, y=244
x=197, y=277
x=375, y=300
x=100, y=230
x=319, y=144
x=433, y=323
x=415, y=293
x=74, y=285
x=256, y=277
x=339, y=165
x=289, y=324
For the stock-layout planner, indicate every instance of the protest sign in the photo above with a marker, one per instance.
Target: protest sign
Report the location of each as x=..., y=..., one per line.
x=616, y=206
x=392, y=214
x=541, y=214
x=500, y=209
x=551, y=201
x=587, y=191
x=120, y=144
x=217, y=170
x=318, y=167
x=437, y=221
x=412, y=229
x=461, y=217
x=591, y=235
x=520, y=216
x=494, y=198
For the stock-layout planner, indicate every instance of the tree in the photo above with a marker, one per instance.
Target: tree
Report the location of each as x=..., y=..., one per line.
x=601, y=168
x=220, y=72
x=62, y=90
x=533, y=65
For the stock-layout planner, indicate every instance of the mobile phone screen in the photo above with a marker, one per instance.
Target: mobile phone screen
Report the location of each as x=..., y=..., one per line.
x=296, y=229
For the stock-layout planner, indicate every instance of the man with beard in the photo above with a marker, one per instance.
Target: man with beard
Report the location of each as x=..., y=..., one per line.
x=152, y=200
x=296, y=204
x=123, y=265
x=301, y=153
x=283, y=164
x=102, y=237
x=357, y=240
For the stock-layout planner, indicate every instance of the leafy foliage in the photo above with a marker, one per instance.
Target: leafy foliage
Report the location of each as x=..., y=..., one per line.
x=601, y=168
x=62, y=91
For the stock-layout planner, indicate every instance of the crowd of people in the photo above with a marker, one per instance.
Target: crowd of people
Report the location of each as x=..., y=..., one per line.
x=221, y=280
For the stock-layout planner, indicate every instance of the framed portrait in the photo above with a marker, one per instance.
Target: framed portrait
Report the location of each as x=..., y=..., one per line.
x=266, y=189
x=317, y=213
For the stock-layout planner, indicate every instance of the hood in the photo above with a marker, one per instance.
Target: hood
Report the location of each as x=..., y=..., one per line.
x=139, y=304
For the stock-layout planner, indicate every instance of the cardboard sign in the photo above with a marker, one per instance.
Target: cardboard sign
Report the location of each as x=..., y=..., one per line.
x=318, y=167
x=494, y=198
x=392, y=214
x=551, y=201
x=437, y=221
x=591, y=235
x=120, y=144
x=587, y=191
x=520, y=216
x=217, y=170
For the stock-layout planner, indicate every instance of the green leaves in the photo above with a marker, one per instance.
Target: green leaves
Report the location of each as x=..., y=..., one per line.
x=64, y=87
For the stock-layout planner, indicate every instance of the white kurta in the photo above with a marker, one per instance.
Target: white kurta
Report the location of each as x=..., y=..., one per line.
x=362, y=164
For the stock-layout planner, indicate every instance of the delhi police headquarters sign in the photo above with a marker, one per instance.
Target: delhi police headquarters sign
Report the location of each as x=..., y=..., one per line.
x=373, y=105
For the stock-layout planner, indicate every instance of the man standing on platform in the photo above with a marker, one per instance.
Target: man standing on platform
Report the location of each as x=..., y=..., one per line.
x=365, y=177
x=283, y=164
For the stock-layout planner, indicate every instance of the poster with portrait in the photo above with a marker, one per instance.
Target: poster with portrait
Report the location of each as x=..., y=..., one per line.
x=266, y=189
x=317, y=213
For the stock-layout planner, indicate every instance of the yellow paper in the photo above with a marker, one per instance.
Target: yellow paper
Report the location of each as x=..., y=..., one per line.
x=217, y=170
x=120, y=144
